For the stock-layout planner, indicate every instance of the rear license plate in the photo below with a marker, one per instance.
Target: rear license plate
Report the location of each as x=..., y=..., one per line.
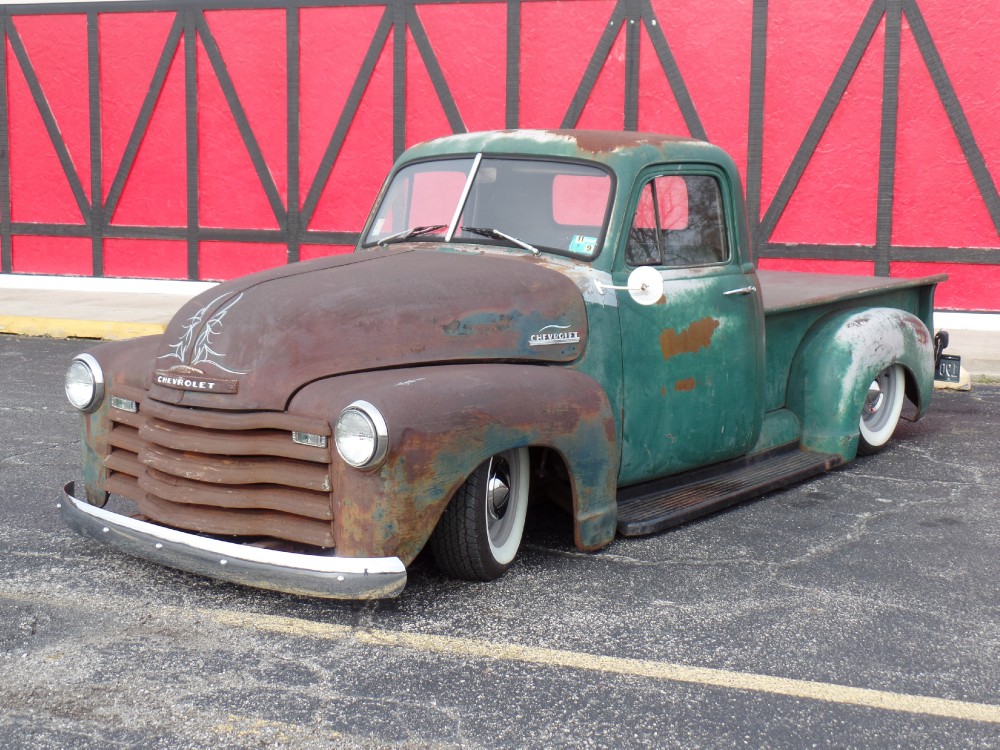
x=949, y=368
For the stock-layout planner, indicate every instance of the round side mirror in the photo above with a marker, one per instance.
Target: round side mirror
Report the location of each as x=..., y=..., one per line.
x=645, y=284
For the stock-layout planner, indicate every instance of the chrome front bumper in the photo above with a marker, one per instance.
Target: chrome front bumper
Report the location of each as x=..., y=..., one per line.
x=309, y=575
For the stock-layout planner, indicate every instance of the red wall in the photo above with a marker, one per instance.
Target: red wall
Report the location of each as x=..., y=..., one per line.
x=188, y=142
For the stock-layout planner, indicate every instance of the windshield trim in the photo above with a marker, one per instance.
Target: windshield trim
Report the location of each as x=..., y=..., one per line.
x=463, y=197
x=477, y=159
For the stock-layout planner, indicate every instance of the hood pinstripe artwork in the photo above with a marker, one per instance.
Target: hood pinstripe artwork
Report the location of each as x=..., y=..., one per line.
x=193, y=349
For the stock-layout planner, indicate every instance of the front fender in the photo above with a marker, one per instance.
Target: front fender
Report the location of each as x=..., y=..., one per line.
x=444, y=421
x=837, y=361
x=128, y=363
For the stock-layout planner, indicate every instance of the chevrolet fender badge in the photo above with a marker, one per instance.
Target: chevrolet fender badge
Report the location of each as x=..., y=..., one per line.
x=554, y=335
x=191, y=379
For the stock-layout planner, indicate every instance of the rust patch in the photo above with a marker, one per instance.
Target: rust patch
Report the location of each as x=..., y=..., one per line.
x=444, y=307
x=695, y=337
x=606, y=141
x=687, y=384
x=482, y=323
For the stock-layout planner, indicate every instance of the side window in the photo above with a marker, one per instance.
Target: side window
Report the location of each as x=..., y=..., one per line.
x=679, y=222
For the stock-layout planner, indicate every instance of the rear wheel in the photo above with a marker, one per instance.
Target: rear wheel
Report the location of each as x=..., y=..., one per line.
x=480, y=531
x=881, y=410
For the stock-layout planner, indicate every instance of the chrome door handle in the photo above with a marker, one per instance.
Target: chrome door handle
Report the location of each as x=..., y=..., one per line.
x=745, y=290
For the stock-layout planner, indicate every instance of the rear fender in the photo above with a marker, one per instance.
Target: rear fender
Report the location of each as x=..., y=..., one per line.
x=443, y=422
x=837, y=361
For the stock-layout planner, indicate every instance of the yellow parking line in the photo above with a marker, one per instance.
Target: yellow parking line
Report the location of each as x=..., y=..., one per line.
x=265, y=731
x=658, y=670
x=66, y=328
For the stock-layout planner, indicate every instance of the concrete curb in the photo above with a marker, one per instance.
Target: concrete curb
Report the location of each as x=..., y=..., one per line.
x=112, y=309
x=68, y=328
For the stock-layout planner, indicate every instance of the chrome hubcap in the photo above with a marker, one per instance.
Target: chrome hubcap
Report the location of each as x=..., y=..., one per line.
x=501, y=500
x=498, y=489
x=875, y=398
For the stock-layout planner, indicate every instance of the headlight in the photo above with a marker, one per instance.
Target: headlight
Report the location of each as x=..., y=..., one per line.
x=85, y=383
x=361, y=435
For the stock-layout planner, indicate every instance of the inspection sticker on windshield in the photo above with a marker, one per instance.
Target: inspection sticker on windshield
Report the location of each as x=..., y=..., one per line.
x=581, y=243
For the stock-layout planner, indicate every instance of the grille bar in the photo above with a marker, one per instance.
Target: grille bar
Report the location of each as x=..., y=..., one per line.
x=270, y=497
x=245, y=523
x=124, y=462
x=246, y=443
x=216, y=420
x=206, y=467
x=125, y=437
x=234, y=474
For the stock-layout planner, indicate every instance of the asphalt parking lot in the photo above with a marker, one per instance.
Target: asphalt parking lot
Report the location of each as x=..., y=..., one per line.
x=860, y=609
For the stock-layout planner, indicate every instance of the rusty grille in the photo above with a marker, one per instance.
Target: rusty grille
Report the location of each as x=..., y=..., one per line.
x=216, y=472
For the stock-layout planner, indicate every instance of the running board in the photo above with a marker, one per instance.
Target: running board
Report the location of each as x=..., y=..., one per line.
x=660, y=504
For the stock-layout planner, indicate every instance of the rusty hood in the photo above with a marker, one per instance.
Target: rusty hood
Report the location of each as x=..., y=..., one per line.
x=253, y=342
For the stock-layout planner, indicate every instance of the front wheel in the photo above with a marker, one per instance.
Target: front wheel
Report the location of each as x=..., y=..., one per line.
x=480, y=531
x=880, y=413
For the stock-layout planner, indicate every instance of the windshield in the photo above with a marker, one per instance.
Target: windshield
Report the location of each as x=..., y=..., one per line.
x=553, y=206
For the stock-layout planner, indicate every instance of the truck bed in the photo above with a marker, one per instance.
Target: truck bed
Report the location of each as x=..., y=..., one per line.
x=794, y=302
x=782, y=291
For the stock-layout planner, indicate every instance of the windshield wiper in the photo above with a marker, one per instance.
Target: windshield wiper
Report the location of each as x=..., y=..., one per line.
x=496, y=234
x=408, y=233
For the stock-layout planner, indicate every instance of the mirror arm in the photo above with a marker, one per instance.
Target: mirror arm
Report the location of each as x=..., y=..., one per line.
x=601, y=288
x=645, y=284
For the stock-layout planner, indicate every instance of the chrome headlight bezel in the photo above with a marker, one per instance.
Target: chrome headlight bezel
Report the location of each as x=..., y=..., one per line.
x=94, y=374
x=375, y=425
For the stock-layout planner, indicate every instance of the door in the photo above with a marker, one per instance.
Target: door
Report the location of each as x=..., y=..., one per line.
x=693, y=362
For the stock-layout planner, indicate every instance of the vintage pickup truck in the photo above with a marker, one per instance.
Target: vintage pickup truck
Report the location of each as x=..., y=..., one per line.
x=570, y=315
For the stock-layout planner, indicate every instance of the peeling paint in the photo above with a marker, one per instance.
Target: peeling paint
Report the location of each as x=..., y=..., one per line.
x=694, y=338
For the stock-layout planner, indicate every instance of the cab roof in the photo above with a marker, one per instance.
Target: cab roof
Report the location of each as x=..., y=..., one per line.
x=613, y=147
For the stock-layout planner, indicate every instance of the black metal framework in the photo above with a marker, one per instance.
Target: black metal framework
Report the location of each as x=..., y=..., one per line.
x=400, y=16
x=883, y=252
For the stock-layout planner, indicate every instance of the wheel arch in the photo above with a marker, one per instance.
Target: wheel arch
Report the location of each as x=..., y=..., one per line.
x=838, y=359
